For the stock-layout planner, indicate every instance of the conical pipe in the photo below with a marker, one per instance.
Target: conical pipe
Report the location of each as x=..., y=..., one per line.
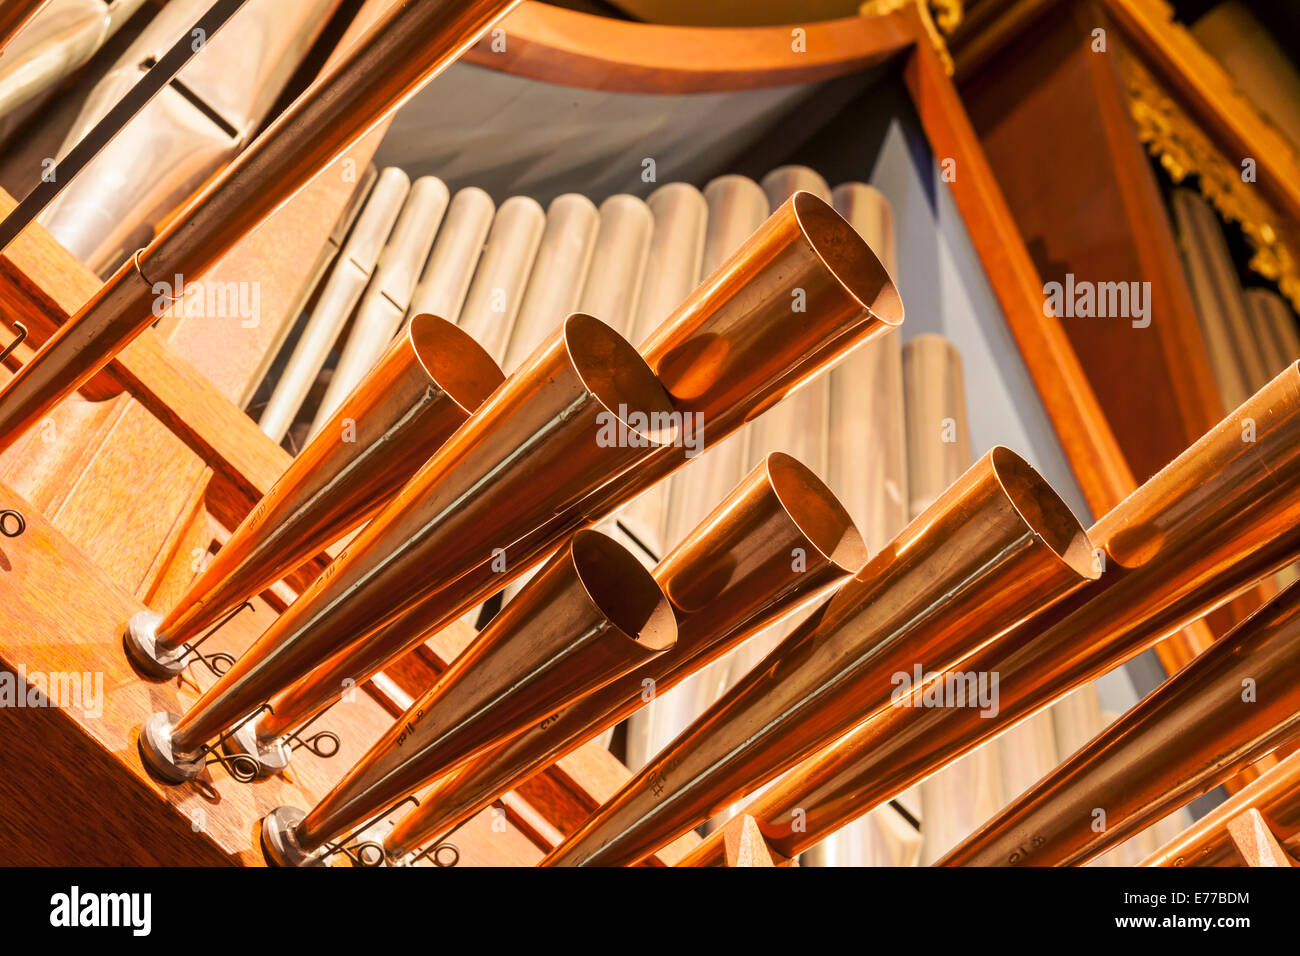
x=1237, y=701
x=409, y=43
x=429, y=382
x=538, y=444
x=997, y=548
x=777, y=541
x=798, y=295
x=1212, y=523
x=592, y=614
x=1274, y=794
x=733, y=346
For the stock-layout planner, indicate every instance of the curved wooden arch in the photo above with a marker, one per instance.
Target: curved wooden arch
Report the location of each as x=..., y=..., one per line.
x=579, y=49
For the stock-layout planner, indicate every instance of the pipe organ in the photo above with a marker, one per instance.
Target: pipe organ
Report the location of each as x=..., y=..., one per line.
x=473, y=432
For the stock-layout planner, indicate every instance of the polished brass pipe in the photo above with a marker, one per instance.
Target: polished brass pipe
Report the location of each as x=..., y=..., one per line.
x=410, y=42
x=997, y=548
x=1237, y=701
x=445, y=282
x=592, y=614
x=429, y=382
x=1275, y=794
x=773, y=544
x=554, y=430
x=1209, y=525
x=734, y=345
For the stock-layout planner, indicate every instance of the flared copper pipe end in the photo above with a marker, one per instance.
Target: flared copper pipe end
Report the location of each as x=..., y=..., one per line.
x=1045, y=513
x=454, y=361
x=591, y=615
x=620, y=380
x=848, y=258
x=816, y=511
x=623, y=591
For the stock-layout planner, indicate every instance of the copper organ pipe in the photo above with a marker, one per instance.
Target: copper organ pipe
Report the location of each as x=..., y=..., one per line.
x=762, y=350
x=1275, y=794
x=1236, y=701
x=999, y=547
x=555, y=430
x=867, y=467
x=589, y=616
x=1212, y=523
x=772, y=545
x=383, y=308
x=527, y=468
x=733, y=207
x=14, y=15
x=429, y=382
x=409, y=43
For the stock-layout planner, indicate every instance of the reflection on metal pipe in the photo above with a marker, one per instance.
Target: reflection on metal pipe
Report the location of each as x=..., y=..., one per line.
x=430, y=381
x=532, y=449
x=58, y=40
x=498, y=287
x=735, y=207
x=1237, y=701
x=456, y=251
x=1275, y=795
x=558, y=274
x=192, y=128
x=592, y=614
x=1209, y=525
x=487, y=532
x=343, y=290
x=384, y=305
x=774, y=544
x=867, y=467
x=15, y=16
x=997, y=548
x=408, y=44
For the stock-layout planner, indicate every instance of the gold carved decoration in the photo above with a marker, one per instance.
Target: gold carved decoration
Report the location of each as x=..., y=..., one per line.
x=1183, y=150
x=939, y=17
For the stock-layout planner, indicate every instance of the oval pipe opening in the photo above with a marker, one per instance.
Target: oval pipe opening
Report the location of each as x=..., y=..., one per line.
x=623, y=590
x=454, y=361
x=1047, y=515
x=614, y=372
x=815, y=510
x=848, y=257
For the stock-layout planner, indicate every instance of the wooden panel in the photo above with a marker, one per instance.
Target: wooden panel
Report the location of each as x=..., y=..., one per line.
x=1083, y=194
